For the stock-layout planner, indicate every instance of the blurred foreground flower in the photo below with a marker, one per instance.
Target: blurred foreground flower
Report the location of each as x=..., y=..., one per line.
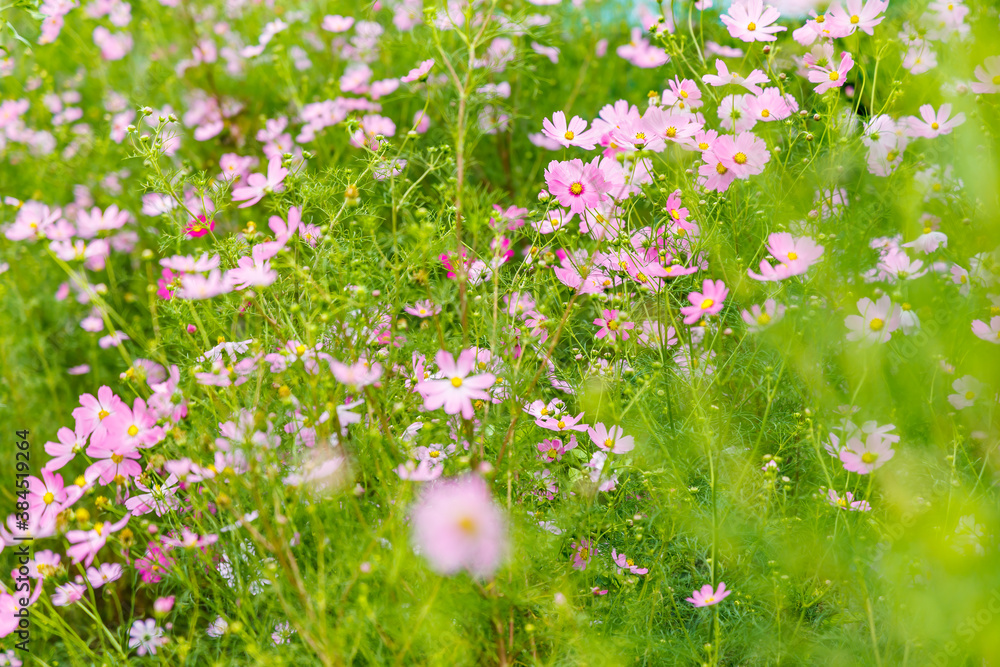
x=457, y=526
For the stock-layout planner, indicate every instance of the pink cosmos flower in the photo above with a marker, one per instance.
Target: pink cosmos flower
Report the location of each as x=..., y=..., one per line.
x=90, y=223
x=358, y=375
x=425, y=308
x=613, y=326
x=455, y=391
x=569, y=134
x=259, y=185
x=252, y=271
x=989, y=77
x=847, y=502
x=419, y=73
x=582, y=554
x=759, y=318
x=93, y=411
x=876, y=323
x=552, y=449
x=829, y=77
x=627, y=563
x=770, y=105
x=458, y=526
x=862, y=458
x=990, y=333
x=715, y=176
x=105, y=574
x=744, y=156
x=576, y=185
x=337, y=23
x=145, y=636
x=611, y=439
x=71, y=442
x=48, y=496
x=795, y=256
x=931, y=124
x=562, y=423
x=154, y=497
x=705, y=303
x=751, y=21
x=725, y=77
x=67, y=594
x=85, y=544
x=706, y=596
x=842, y=23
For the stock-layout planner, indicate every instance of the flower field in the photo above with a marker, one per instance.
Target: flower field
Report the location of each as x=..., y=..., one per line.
x=481, y=332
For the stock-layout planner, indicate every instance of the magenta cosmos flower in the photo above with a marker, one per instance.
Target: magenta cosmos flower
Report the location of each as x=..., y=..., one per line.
x=455, y=391
x=419, y=73
x=577, y=185
x=862, y=458
x=707, y=302
x=199, y=227
x=612, y=326
x=876, y=322
x=457, y=526
x=752, y=21
x=706, y=596
x=989, y=77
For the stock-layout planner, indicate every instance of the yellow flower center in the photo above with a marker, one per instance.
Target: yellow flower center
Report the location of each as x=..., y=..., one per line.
x=569, y=135
x=834, y=76
x=561, y=424
x=707, y=303
x=102, y=414
x=609, y=443
x=793, y=256
x=300, y=350
x=996, y=80
x=423, y=311
x=576, y=189
x=133, y=430
x=613, y=325
x=869, y=457
x=969, y=395
x=703, y=146
x=671, y=132
x=763, y=319
x=684, y=94
x=584, y=554
x=456, y=382
x=740, y=158
x=117, y=458
x=720, y=169
x=434, y=454
x=855, y=19
x=876, y=324
x=764, y=113
x=49, y=497
x=751, y=26
x=467, y=525
x=934, y=126
x=710, y=599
